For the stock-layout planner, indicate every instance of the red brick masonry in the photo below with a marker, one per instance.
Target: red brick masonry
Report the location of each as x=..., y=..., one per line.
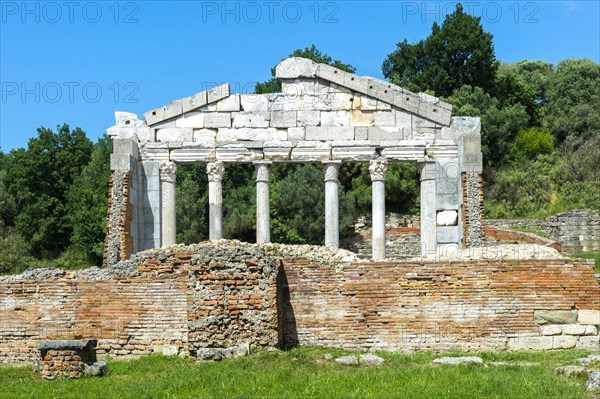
x=178, y=306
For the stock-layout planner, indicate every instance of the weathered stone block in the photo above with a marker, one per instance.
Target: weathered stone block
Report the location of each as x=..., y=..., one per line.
x=217, y=93
x=555, y=316
x=329, y=133
x=190, y=155
x=589, y=317
x=362, y=118
x=353, y=153
x=574, y=329
x=251, y=119
x=194, y=102
x=530, y=343
x=340, y=101
x=447, y=235
x=254, y=102
x=335, y=118
x=229, y=104
x=296, y=67
x=331, y=74
x=309, y=118
x=591, y=344
x=403, y=119
x=193, y=121
x=174, y=134
x=311, y=154
x=234, y=154
x=277, y=154
x=217, y=119
x=283, y=119
x=551, y=329
x=364, y=103
x=383, y=118
x=207, y=136
x=407, y=101
x=564, y=342
x=361, y=133
x=163, y=113
x=296, y=134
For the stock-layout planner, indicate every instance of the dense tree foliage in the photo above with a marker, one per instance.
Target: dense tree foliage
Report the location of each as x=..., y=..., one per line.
x=540, y=142
x=39, y=179
x=458, y=53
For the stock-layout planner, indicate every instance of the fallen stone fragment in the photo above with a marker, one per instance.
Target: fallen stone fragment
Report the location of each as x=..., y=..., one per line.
x=572, y=371
x=454, y=361
x=370, y=360
x=328, y=356
x=589, y=359
x=347, y=360
x=593, y=382
x=216, y=354
x=96, y=369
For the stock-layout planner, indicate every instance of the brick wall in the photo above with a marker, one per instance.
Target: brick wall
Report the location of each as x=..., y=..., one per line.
x=128, y=316
x=486, y=305
x=219, y=295
x=165, y=301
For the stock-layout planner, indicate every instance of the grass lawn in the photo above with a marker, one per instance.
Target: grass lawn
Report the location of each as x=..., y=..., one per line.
x=304, y=373
x=589, y=255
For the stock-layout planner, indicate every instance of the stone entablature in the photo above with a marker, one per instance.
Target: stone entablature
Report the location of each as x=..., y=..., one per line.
x=323, y=115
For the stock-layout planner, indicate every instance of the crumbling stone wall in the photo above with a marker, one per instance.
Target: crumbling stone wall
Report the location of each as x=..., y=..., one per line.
x=472, y=214
x=401, y=243
x=118, y=241
x=576, y=231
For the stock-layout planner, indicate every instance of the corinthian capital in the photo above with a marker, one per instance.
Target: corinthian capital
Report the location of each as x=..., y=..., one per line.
x=167, y=171
x=215, y=171
x=378, y=169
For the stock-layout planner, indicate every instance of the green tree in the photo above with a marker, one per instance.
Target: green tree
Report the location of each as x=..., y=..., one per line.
x=39, y=179
x=573, y=98
x=499, y=125
x=531, y=143
x=458, y=53
x=298, y=211
x=313, y=53
x=88, y=202
x=192, y=203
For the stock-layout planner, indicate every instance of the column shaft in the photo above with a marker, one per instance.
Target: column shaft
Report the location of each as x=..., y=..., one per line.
x=263, y=217
x=378, y=169
x=428, y=209
x=215, y=172
x=168, y=215
x=332, y=224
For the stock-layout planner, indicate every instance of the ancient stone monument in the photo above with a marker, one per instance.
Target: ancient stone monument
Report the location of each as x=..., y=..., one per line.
x=323, y=115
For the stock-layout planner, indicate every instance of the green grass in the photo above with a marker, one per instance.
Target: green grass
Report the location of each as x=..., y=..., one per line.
x=535, y=231
x=303, y=373
x=589, y=255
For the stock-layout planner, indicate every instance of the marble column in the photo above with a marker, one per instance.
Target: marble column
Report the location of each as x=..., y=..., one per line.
x=167, y=203
x=332, y=223
x=378, y=169
x=215, y=172
x=263, y=217
x=428, y=209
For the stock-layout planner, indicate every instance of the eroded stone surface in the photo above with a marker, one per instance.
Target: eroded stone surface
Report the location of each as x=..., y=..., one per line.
x=454, y=361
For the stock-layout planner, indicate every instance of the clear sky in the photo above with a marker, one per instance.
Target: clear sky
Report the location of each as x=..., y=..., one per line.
x=80, y=61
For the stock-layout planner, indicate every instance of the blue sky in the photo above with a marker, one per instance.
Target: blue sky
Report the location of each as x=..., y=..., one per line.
x=80, y=61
